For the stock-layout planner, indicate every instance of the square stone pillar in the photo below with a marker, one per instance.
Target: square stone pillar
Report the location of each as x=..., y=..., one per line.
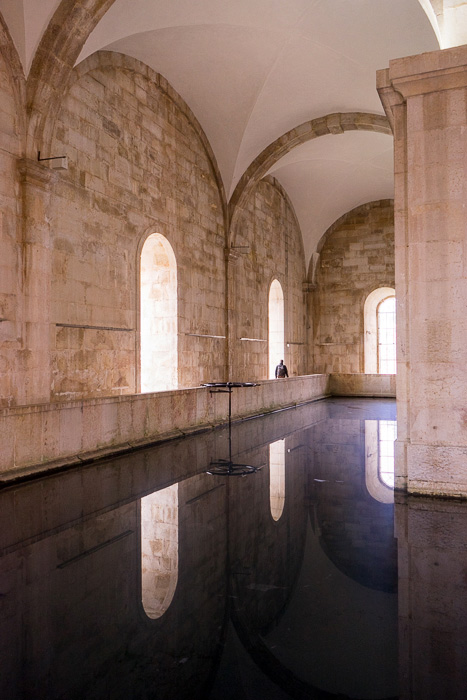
x=425, y=98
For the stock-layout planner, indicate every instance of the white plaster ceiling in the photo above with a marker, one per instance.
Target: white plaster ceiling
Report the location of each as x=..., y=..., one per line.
x=250, y=70
x=330, y=175
x=253, y=69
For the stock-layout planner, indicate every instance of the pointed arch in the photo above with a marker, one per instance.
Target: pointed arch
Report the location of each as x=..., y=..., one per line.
x=12, y=63
x=53, y=63
x=330, y=124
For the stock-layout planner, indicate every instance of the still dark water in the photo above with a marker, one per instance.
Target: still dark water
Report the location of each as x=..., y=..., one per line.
x=145, y=577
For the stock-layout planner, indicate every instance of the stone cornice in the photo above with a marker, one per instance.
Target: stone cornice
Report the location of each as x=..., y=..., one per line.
x=33, y=173
x=422, y=74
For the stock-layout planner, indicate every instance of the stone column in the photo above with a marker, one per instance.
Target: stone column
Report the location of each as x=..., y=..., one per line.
x=425, y=98
x=35, y=364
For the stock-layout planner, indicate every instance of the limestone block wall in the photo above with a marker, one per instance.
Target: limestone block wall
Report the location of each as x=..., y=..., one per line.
x=138, y=164
x=356, y=257
x=267, y=245
x=10, y=239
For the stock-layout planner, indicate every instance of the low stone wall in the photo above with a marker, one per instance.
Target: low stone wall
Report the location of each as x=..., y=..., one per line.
x=61, y=434
x=376, y=385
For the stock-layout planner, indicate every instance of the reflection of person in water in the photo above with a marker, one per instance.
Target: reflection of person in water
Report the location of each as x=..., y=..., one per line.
x=281, y=370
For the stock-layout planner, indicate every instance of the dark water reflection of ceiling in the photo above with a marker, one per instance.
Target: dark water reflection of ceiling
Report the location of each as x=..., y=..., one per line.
x=301, y=606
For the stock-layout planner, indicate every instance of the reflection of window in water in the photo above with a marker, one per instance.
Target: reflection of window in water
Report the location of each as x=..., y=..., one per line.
x=277, y=478
x=379, y=458
x=159, y=550
x=387, y=433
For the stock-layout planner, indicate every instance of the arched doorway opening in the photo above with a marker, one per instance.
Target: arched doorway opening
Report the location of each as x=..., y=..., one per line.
x=276, y=326
x=158, y=315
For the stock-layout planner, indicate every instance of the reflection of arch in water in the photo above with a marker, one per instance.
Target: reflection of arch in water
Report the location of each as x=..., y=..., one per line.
x=159, y=550
x=277, y=478
x=356, y=531
x=274, y=661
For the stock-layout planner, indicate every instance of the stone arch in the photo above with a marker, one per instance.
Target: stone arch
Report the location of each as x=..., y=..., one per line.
x=330, y=124
x=15, y=74
x=53, y=64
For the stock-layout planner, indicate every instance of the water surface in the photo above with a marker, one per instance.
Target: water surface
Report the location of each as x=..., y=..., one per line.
x=146, y=577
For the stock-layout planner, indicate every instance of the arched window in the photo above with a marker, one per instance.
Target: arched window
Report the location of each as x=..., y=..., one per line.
x=380, y=332
x=277, y=478
x=386, y=322
x=276, y=326
x=159, y=550
x=158, y=318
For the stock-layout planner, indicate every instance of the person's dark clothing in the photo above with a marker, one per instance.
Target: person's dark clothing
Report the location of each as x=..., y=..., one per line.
x=281, y=370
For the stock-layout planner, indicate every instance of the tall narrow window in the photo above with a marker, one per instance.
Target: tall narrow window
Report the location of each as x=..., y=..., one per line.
x=276, y=326
x=158, y=321
x=277, y=478
x=387, y=336
x=380, y=331
x=159, y=550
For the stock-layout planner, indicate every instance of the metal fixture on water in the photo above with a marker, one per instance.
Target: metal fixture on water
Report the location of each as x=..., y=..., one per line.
x=226, y=467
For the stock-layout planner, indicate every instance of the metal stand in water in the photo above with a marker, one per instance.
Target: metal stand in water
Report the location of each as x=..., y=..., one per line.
x=226, y=467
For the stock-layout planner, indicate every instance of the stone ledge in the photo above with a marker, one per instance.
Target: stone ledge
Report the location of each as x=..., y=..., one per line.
x=40, y=437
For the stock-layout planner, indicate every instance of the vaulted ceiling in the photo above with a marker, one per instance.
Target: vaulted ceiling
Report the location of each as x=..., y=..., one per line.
x=251, y=70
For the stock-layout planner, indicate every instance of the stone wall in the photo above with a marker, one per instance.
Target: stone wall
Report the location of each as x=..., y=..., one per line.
x=137, y=165
x=268, y=245
x=356, y=257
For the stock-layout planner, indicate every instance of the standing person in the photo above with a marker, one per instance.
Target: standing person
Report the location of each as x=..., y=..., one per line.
x=281, y=370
